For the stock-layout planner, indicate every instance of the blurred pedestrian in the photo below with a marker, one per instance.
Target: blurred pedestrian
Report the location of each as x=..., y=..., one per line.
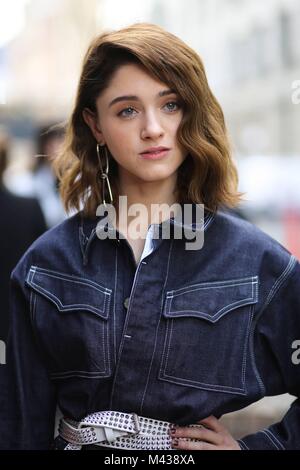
x=49, y=139
x=39, y=180
x=22, y=221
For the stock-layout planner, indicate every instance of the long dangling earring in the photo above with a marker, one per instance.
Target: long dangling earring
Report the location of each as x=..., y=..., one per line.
x=101, y=149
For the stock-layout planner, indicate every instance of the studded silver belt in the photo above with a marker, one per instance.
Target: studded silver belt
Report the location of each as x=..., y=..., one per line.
x=117, y=430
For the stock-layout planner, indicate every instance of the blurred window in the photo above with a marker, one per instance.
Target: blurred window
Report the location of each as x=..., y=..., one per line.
x=285, y=31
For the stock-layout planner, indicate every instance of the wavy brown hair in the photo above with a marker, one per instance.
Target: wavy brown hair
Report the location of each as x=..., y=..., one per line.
x=207, y=176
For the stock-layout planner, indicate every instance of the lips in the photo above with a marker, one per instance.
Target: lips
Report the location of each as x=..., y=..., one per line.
x=155, y=153
x=154, y=150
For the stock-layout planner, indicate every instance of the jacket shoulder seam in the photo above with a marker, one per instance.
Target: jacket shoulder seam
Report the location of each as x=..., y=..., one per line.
x=280, y=280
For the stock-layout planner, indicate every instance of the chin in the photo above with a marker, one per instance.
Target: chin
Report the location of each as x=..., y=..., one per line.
x=158, y=173
x=155, y=178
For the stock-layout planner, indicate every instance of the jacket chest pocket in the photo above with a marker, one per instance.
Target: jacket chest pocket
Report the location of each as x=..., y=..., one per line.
x=206, y=334
x=70, y=317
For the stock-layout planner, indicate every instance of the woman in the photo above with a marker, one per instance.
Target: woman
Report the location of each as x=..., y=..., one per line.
x=141, y=341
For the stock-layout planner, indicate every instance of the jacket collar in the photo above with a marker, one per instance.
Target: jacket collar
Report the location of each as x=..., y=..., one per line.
x=90, y=228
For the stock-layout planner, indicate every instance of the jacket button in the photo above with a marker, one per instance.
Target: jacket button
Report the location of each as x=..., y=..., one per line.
x=126, y=302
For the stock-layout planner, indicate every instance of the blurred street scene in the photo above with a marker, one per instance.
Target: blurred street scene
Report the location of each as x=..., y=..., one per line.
x=251, y=53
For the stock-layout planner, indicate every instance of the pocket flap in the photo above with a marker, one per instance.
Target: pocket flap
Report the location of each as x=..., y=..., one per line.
x=211, y=300
x=70, y=293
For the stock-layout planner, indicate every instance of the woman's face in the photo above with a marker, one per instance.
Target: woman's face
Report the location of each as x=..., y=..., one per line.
x=134, y=114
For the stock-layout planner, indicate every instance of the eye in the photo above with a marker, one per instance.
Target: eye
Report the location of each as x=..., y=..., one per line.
x=127, y=112
x=172, y=106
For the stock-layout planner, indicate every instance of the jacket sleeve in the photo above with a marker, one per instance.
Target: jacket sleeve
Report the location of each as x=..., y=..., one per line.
x=27, y=416
x=276, y=346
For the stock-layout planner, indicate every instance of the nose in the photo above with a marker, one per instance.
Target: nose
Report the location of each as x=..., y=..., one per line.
x=151, y=128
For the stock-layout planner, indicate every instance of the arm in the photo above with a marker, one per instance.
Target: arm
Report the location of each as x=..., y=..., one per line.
x=276, y=334
x=27, y=417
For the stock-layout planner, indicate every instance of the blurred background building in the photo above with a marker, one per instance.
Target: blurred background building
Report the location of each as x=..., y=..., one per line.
x=251, y=54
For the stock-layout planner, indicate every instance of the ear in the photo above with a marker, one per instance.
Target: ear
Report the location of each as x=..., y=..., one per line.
x=91, y=120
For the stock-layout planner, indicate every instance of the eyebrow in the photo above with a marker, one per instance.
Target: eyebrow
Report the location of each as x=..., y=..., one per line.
x=136, y=98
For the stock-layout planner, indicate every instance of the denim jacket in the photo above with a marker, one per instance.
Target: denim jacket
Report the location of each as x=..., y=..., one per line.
x=182, y=335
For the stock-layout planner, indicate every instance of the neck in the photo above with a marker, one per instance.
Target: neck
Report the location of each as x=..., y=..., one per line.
x=148, y=194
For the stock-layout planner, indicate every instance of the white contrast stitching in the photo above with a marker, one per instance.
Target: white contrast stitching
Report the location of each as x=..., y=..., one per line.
x=213, y=285
x=275, y=438
x=75, y=280
x=270, y=439
x=273, y=291
x=157, y=328
x=71, y=307
x=244, y=445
